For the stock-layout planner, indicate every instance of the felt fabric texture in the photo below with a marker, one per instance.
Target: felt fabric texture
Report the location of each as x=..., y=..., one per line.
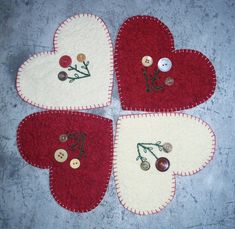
x=192, y=72
x=37, y=79
x=80, y=189
x=147, y=192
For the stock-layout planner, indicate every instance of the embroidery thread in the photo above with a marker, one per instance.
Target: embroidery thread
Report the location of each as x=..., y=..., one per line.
x=162, y=164
x=66, y=61
x=152, y=81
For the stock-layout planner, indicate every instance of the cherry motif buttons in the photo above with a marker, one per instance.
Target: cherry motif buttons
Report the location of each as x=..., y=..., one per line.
x=147, y=61
x=145, y=165
x=62, y=76
x=162, y=164
x=61, y=155
x=164, y=64
x=74, y=163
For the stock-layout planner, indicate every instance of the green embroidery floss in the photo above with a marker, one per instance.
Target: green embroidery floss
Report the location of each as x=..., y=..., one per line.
x=162, y=164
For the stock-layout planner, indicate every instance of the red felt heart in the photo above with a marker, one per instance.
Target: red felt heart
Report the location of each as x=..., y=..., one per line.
x=84, y=137
x=192, y=73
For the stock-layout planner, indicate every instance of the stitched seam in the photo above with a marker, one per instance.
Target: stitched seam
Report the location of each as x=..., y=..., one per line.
x=55, y=49
x=19, y=145
x=116, y=67
x=174, y=174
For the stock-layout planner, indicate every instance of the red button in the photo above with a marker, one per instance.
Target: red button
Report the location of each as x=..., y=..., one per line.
x=65, y=61
x=162, y=164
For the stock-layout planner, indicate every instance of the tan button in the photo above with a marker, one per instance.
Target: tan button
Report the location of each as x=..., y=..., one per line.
x=169, y=81
x=75, y=163
x=145, y=165
x=147, y=61
x=63, y=137
x=60, y=155
x=167, y=147
x=81, y=57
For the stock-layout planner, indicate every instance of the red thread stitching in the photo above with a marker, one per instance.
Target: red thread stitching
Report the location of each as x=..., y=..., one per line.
x=54, y=50
x=174, y=174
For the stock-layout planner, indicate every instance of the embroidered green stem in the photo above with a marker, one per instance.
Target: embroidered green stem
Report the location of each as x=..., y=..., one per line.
x=80, y=138
x=146, y=80
x=154, y=80
x=147, y=148
x=76, y=75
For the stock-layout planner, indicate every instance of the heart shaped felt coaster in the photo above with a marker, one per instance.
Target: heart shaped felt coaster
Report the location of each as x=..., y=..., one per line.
x=80, y=65
x=152, y=75
x=146, y=163
x=77, y=148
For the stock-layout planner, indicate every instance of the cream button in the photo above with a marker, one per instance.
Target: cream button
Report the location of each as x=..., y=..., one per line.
x=60, y=155
x=167, y=147
x=164, y=64
x=147, y=61
x=75, y=163
x=63, y=137
x=145, y=165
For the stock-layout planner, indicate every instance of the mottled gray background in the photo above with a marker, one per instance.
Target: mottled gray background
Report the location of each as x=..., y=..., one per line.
x=205, y=200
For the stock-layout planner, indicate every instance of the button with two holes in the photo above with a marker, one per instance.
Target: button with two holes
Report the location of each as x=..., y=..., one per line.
x=74, y=163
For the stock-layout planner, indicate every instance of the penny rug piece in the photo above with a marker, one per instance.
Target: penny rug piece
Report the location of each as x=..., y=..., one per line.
x=151, y=150
x=152, y=75
x=77, y=148
x=80, y=65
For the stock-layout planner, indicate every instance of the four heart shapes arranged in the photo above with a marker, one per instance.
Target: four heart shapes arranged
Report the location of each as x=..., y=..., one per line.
x=77, y=147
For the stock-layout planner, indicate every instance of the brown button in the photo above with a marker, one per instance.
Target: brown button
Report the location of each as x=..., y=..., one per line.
x=75, y=163
x=147, y=61
x=169, y=81
x=63, y=137
x=145, y=165
x=81, y=57
x=167, y=147
x=162, y=164
x=60, y=155
x=62, y=76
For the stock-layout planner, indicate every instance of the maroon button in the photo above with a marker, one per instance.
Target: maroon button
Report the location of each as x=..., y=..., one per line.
x=162, y=164
x=62, y=76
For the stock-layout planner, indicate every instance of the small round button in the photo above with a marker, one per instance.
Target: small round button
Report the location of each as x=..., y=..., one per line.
x=62, y=76
x=81, y=57
x=63, y=137
x=145, y=165
x=167, y=147
x=162, y=164
x=75, y=163
x=164, y=64
x=65, y=61
x=147, y=61
x=169, y=81
x=60, y=155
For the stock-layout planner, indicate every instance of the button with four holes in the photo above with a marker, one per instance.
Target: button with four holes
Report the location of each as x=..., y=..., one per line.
x=164, y=64
x=75, y=163
x=61, y=155
x=147, y=61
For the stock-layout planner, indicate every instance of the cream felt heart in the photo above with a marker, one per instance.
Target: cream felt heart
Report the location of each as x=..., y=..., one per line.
x=151, y=150
x=78, y=74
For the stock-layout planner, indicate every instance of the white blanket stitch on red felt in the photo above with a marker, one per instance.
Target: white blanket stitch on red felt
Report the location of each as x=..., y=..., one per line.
x=37, y=79
x=148, y=192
